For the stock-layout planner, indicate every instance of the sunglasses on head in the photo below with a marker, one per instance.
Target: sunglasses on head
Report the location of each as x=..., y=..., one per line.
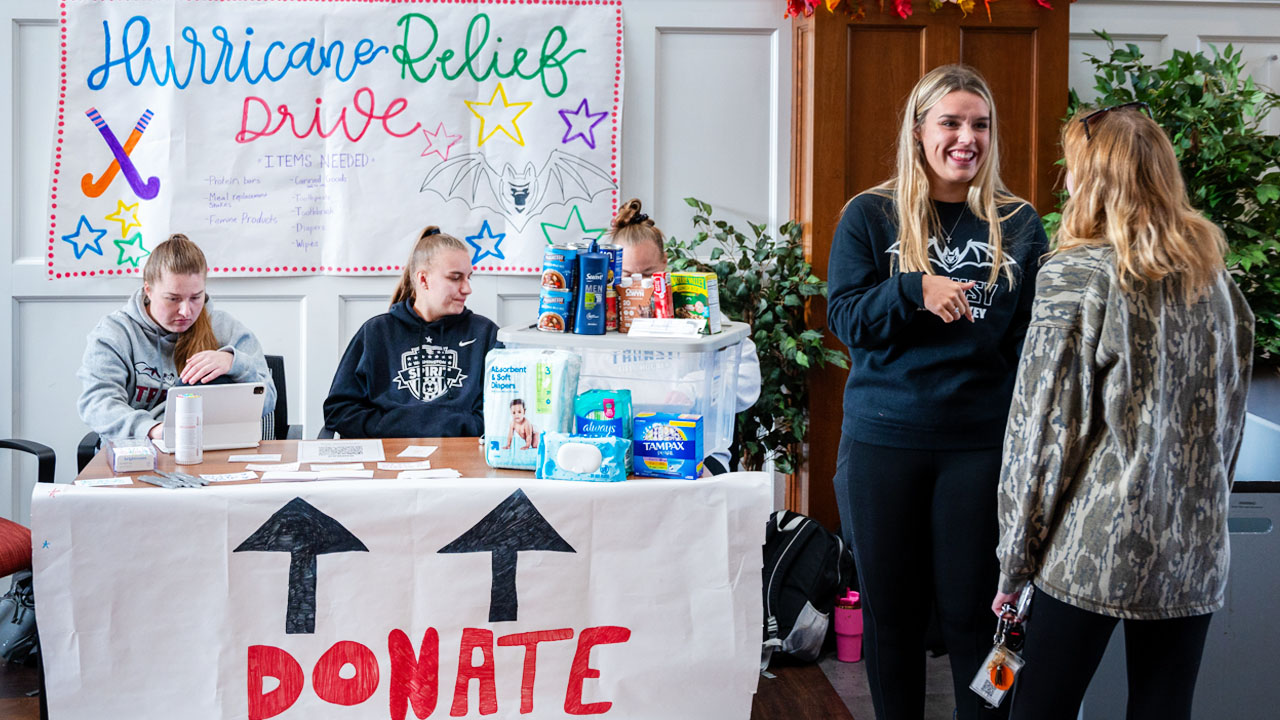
x=1097, y=114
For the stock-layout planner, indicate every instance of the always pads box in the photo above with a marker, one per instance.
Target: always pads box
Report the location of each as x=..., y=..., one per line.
x=526, y=392
x=668, y=445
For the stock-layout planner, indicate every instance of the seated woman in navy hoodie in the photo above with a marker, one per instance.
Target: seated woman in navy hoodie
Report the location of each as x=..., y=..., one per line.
x=417, y=370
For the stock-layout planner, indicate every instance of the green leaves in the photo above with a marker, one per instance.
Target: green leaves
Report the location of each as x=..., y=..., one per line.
x=765, y=282
x=1212, y=111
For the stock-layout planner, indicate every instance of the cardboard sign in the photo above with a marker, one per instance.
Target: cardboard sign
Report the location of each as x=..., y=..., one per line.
x=441, y=598
x=321, y=136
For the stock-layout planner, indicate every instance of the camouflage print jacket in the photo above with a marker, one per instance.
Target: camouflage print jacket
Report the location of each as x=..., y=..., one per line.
x=1122, y=441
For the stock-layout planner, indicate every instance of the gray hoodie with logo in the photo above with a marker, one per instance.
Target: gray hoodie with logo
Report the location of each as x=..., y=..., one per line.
x=128, y=368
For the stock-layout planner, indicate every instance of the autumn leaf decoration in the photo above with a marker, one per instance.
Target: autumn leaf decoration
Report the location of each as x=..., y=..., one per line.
x=901, y=8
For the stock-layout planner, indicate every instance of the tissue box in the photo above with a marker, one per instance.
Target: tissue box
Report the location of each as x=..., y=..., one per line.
x=668, y=445
x=131, y=455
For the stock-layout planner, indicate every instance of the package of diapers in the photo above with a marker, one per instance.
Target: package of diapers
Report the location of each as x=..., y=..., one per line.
x=527, y=392
x=604, y=413
x=573, y=457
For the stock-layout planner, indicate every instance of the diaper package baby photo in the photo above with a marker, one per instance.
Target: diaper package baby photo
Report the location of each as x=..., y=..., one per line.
x=526, y=392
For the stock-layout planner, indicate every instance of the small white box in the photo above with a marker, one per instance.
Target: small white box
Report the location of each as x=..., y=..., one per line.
x=131, y=455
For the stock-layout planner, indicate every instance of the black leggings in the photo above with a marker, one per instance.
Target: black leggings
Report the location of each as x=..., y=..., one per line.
x=1065, y=644
x=922, y=525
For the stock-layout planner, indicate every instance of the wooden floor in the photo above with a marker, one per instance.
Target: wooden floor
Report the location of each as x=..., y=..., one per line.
x=801, y=692
x=798, y=692
x=15, y=682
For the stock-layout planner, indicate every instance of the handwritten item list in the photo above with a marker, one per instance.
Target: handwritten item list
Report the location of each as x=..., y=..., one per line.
x=320, y=137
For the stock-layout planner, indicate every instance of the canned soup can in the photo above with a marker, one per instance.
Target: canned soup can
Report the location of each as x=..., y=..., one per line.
x=559, y=267
x=555, y=310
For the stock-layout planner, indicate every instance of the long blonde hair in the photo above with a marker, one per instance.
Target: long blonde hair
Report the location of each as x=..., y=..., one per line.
x=632, y=227
x=430, y=242
x=179, y=256
x=909, y=186
x=1128, y=193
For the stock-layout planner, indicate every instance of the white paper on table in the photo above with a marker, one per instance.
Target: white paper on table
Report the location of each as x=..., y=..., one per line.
x=289, y=476
x=323, y=451
x=418, y=451
x=233, y=604
x=281, y=467
x=321, y=467
x=428, y=474
x=102, y=482
x=230, y=477
x=666, y=327
x=417, y=465
x=254, y=458
x=345, y=474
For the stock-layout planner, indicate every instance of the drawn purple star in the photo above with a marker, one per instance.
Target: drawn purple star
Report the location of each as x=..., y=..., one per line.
x=582, y=127
x=435, y=143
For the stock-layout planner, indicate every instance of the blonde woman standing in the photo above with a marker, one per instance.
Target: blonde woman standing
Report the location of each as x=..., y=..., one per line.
x=165, y=335
x=418, y=369
x=931, y=280
x=1125, y=428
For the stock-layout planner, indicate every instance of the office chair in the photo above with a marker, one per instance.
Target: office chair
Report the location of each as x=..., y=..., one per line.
x=15, y=539
x=275, y=426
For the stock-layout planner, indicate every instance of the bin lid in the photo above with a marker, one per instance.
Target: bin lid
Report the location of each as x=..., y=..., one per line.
x=731, y=333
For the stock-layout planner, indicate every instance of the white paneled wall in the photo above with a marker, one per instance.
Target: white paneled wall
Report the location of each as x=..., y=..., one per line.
x=707, y=114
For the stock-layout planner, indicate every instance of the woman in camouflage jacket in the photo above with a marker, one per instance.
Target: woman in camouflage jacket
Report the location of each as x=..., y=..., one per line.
x=1124, y=429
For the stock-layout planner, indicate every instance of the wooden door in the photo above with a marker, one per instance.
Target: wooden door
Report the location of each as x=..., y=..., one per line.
x=851, y=80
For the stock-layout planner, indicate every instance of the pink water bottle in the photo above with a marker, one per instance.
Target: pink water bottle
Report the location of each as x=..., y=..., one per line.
x=849, y=628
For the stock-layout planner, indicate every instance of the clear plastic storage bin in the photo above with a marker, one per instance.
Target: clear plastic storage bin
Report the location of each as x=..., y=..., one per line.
x=680, y=375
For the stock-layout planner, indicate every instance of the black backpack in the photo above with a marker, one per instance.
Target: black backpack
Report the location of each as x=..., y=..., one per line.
x=805, y=568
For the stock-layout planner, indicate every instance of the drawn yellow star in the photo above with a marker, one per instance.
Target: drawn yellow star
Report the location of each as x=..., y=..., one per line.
x=126, y=221
x=499, y=116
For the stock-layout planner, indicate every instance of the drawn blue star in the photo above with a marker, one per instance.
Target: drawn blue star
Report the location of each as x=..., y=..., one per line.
x=83, y=247
x=578, y=123
x=46, y=545
x=483, y=249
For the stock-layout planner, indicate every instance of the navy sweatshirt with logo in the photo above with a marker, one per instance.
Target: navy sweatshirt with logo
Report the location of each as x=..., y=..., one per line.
x=402, y=376
x=915, y=381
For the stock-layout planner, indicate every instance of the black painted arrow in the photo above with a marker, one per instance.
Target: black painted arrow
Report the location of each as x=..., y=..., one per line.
x=304, y=532
x=514, y=525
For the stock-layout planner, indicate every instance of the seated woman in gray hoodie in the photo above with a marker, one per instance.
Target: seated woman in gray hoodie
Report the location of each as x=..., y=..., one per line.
x=165, y=335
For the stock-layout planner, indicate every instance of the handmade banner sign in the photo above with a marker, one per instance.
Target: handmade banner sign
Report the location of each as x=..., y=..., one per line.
x=441, y=598
x=320, y=136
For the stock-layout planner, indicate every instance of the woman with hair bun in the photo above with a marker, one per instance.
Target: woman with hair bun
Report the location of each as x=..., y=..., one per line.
x=165, y=335
x=418, y=369
x=644, y=252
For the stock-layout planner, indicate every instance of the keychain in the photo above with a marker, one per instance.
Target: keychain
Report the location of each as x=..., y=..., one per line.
x=1001, y=667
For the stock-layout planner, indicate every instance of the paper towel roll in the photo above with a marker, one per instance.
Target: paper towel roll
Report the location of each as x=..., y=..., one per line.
x=188, y=444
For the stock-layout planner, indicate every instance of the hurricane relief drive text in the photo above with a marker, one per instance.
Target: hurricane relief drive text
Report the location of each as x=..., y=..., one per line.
x=212, y=56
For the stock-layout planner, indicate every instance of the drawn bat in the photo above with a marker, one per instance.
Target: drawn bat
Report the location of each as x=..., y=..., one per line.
x=974, y=254
x=518, y=196
x=145, y=369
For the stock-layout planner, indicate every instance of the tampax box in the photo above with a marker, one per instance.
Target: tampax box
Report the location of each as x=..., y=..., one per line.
x=668, y=445
x=696, y=296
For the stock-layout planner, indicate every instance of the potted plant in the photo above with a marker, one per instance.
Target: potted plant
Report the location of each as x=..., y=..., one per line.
x=1212, y=111
x=764, y=281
